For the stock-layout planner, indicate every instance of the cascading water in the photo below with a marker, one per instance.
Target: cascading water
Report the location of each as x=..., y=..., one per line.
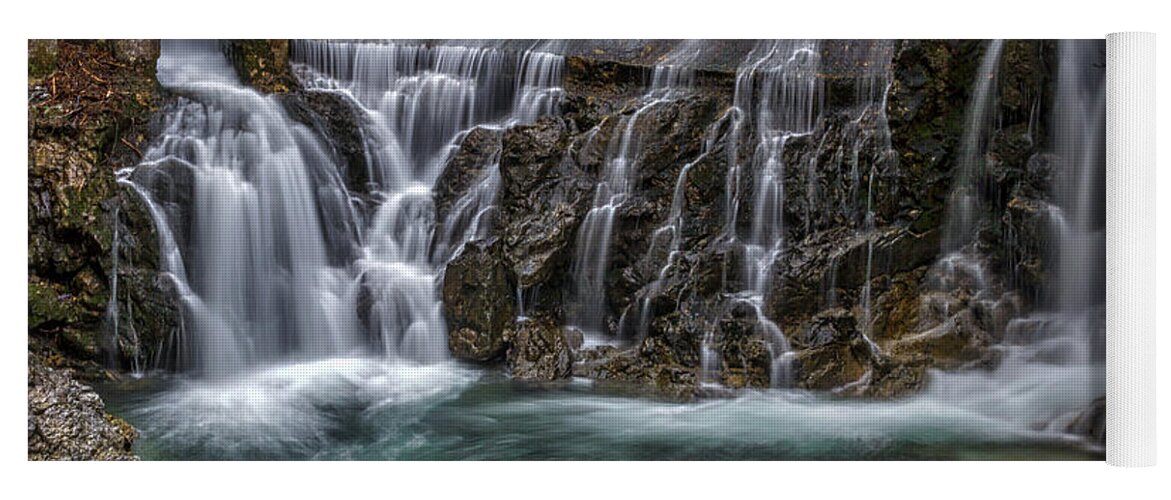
x=777, y=96
x=592, y=254
x=271, y=258
x=871, y=95
x=964, y=202
x=1052, y=362
x=310, y=306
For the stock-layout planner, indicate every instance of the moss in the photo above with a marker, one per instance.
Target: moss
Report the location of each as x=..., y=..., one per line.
x=263, y=64
x=42, y=58
x=89, y=117
x=50, y=304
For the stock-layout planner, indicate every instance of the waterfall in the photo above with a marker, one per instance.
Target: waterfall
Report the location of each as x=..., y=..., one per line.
x=964, y=201
x=592, y=252
x=271, y=258
x=1071, y=327
x=1052, y=361
x=870, y=96
x=778, y=96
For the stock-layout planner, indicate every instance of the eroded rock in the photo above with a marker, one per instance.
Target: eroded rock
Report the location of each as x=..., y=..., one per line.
x=478, y=302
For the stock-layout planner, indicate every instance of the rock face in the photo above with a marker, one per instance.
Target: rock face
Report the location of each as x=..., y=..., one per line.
x=478, y=302
x=854, y=291
x=539, y=350
x=90, y=105
x=67, y=420
x=262, y=64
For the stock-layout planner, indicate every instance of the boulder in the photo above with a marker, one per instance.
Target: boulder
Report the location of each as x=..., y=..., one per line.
x=539, y=350
x=1091, y=422
x=67, y=420
x=478, y=302
x=831, y=352
x=334, y=117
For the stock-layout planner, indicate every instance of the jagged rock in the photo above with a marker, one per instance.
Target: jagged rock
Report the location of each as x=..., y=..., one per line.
x=539, y=350
x=837, y=173
x=840, y=259
x=262, y=64
x=833, y=352
x=543, y=198
x=896, y=308
x=478, y=302
x=626, y=369
x=68, y=421
x=929, y=78
x=745, y=362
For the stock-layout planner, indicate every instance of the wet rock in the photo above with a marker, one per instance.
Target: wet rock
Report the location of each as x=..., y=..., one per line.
x=840, y=259
x=957, y=342
x=929, y=78
x=745, y=362
x=836, y=174
x=1029, y=225
x=478, y=302
x=895, y=378
x=896, y=308
x=627, y=370
x=333, y=116
x=833, y=353
x=1091, y=422
x=543, y=198
x=479, y=149
x=149, y=314
x=539, y=350
x=67, y=420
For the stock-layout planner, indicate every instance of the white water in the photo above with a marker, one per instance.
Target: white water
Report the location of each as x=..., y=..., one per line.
x=964, y=205
x=273, y=261
x=595, y=236
x=778, y=94
x=263, y=276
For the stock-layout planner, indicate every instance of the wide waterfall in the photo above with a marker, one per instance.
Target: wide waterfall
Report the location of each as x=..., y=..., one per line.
x=633, y=249
x=274, y=257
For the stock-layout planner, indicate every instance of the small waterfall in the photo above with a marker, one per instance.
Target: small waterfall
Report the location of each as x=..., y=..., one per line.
x=1070, y=329
x=539, y=88
x=270, y=256
x=1052, y=362
x=592, y=254
x=964, y=202
x=778, y=95
x=668, y=238
x=872, y=94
